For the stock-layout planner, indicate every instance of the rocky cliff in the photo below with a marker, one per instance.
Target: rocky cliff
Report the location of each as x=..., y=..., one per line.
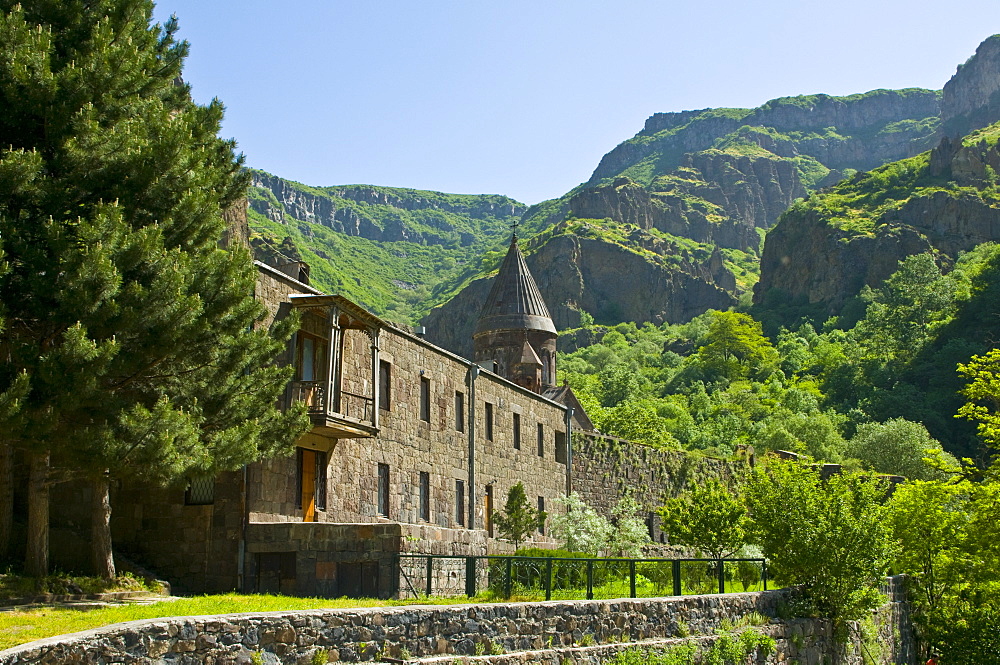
x=971, y=99
x=826, y=249
x=895, y=119
x=385, y=214
x=581, y=266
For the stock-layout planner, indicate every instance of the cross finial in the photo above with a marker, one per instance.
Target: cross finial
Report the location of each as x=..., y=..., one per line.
x=513, y=227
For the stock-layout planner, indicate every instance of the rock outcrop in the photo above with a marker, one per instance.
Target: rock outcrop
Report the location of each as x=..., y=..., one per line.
x=606, y=279
x=806, y=258
x=378, y=213
x=971, y=99
x=871, y=129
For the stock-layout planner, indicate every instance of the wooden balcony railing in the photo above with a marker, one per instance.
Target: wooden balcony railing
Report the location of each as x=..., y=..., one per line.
x=314, y=394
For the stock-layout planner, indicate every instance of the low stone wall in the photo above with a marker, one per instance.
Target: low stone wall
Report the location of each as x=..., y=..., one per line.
x=503, y=630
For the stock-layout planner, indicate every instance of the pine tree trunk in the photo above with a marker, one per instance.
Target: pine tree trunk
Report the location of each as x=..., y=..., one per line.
x=100, y=528
x=6, y=499
x=36, y=560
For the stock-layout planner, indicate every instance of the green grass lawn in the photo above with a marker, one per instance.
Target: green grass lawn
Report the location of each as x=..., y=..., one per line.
x=18, y=627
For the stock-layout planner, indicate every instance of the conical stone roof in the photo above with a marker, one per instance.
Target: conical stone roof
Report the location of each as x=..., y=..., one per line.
x=514, y=302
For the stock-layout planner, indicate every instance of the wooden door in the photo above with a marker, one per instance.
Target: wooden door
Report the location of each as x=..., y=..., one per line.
x=308, y=486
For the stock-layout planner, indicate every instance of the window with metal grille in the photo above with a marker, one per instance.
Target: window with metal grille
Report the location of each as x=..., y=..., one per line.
x=425, y=399
x=541, y=440
x=383, y=490
x=541, y=509
x=517, y=431
x=489, y=421
x=459, y=411
x=200, y=490
x=460, y=502
x=425, y=496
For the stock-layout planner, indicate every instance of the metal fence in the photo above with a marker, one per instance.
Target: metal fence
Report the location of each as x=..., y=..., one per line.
x=565, y=578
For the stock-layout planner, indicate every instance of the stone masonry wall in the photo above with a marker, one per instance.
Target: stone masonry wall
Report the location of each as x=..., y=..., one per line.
x=605, y=468
x=409, y=445
x=428, y=631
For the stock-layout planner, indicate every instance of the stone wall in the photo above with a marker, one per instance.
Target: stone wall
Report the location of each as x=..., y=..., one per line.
x=458, y=630
x=409, y=445
x=606, y=468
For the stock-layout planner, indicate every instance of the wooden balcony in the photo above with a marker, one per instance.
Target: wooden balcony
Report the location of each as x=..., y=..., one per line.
x=352, y=418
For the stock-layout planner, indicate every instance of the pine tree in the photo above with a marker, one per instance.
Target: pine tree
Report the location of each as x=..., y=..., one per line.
x=132, y=333
x=518, y=520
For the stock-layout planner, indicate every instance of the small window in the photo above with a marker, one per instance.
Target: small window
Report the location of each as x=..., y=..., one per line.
x=320, y=481
x=488, y=510
x=561, y=447
x=383, y=490
x=425, y=399
x=200, y=490
x=541, y=509
x=460, y=502
x=541, y=440
x=425, y=496
x=459, y=411
x=517, y=431
x=489, y=421
x=384, y=384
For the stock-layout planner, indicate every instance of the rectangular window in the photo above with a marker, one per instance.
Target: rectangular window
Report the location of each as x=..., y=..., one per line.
x=425, y=399
x=561, y=447
x=320, y=490
x=310, y=357
x=200, y=490
x=488, y=510
x=459, y=411
x=517, y=431
x=383, y=490
x=541, y=440
x=425, y=496
x=460, y=502
x=489, y=421
x=541, y=509
x=384, y=384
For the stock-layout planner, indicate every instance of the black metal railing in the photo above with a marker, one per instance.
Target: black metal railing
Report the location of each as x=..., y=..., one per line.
x=563, y=578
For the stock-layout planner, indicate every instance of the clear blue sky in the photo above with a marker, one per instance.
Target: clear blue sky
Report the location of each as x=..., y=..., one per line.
x=524, y=97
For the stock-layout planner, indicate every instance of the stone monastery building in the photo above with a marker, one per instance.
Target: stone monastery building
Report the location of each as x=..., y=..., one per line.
x=410, y=449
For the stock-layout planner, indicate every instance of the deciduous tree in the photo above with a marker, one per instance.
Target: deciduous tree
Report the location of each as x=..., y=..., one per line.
x=831, y=536
x=710, y=517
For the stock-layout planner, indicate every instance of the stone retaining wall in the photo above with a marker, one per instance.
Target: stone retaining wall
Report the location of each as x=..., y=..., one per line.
x=436, y=631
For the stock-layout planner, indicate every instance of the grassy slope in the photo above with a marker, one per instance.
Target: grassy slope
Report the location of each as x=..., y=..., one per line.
x=404, y=280
x=855, y=206
x=394, y=279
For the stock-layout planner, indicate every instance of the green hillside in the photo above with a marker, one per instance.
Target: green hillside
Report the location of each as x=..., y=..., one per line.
x=387, y=248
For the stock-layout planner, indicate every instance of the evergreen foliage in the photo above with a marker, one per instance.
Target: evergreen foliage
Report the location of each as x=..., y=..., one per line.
x=519, y=520
x=134, y=332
